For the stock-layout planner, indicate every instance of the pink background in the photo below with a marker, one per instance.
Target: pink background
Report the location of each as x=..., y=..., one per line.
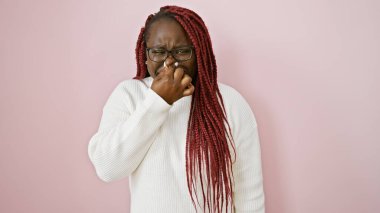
x=309, y=69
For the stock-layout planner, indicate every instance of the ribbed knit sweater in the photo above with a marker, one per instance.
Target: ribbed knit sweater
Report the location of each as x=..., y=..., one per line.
x=142, y=137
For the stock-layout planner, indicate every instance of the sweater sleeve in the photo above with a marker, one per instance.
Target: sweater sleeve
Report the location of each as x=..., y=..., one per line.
x=249, y=192
x=124, y=135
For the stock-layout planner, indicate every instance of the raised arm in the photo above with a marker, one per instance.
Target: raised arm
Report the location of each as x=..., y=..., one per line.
x=128, y=126
x=125, y=134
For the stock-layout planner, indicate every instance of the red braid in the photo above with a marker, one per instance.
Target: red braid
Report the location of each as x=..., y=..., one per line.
x=208, y=133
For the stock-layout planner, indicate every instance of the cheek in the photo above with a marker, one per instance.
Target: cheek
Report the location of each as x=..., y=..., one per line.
x=151, y=68
x=192, y=66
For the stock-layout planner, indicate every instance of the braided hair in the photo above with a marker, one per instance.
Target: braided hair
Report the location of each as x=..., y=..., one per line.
x=208, y=132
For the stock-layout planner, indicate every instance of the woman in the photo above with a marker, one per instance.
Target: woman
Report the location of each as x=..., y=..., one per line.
x=186, y=142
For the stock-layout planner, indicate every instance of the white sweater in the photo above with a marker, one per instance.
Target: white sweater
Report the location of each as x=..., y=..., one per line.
x=142, y=137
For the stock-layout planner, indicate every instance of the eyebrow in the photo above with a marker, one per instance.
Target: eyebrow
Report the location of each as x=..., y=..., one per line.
x=176, y=47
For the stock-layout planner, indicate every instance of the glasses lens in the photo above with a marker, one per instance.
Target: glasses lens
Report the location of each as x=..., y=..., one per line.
x=182, y=54
x=157, y=55
x=160, y=54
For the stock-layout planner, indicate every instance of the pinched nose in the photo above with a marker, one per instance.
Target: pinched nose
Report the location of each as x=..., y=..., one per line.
x=170, y=61
x=175, y=64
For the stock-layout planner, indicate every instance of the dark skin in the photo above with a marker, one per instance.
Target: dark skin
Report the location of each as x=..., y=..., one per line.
x=170, y=82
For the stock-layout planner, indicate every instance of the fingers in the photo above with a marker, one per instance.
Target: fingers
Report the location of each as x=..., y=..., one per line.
x=178, y=74
x=172, y=83
x=189, y=90
x=168, y=71
x=164, y=68
x=173, y=71
x=186, y=80
x=188, y=86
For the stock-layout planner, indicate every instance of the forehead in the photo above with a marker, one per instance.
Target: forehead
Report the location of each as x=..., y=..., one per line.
x=167, y=32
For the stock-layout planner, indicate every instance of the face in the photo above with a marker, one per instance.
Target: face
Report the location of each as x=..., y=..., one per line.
x=168, y=34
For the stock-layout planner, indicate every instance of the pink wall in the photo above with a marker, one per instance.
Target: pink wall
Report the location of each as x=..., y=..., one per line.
x=309, y=69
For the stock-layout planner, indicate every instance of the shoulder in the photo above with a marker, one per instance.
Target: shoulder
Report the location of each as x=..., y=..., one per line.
x=236, y=106
x=132, y=88
x=129, y=92
x=228, y=92
x=231, y=97
x=134, y=84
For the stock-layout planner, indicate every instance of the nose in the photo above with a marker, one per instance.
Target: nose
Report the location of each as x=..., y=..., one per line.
x=170, y=60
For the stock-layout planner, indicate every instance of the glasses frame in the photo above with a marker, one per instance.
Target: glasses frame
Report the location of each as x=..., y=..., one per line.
x=169, y=52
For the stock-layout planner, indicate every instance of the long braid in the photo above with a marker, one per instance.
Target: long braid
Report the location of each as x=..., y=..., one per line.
x=208, y=132
x=140, y=52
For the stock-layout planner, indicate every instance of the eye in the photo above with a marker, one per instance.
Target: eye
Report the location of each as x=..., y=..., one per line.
x=183, y=51
x=158, y=51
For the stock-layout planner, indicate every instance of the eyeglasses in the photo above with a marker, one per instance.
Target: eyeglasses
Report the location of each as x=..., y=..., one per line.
x=161, y=54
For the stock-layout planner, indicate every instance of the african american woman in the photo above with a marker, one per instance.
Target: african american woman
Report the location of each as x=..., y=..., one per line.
x=187, y=142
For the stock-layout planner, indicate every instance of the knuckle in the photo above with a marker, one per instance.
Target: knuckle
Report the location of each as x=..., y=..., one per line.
x=188, y=78
x=180, y=69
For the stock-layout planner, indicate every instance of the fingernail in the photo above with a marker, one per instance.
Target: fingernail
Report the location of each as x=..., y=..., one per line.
x=176, y=64
x=164, y=63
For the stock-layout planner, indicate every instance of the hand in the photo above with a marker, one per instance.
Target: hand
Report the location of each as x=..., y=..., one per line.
x=172, y=83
